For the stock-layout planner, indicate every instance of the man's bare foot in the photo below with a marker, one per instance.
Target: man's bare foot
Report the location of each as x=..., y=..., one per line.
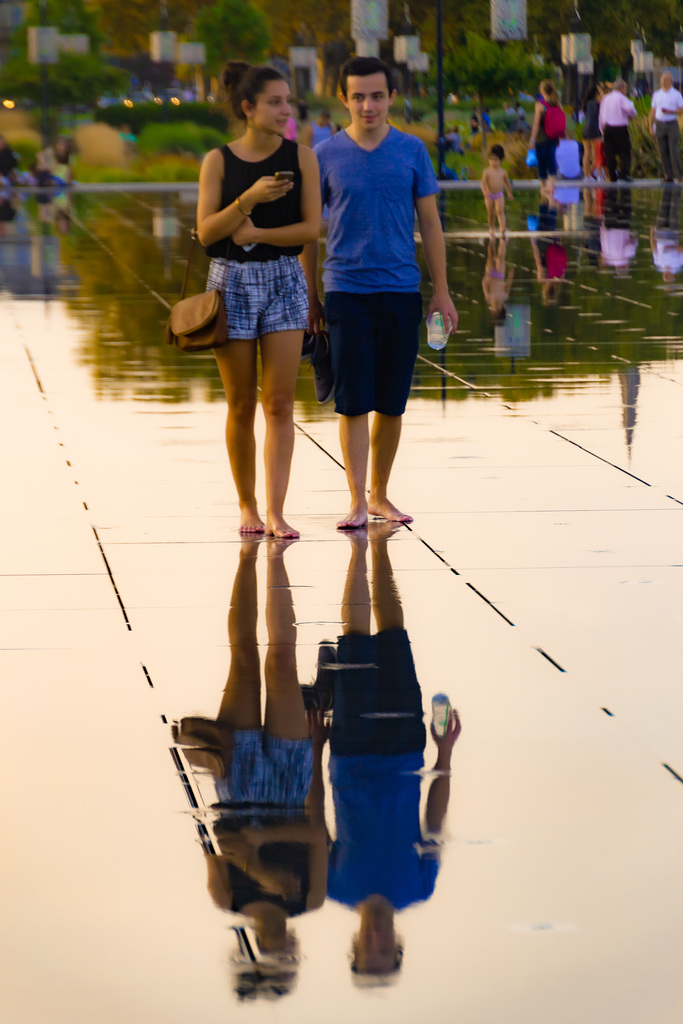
x=277, y=527
x=250, y=521
x=355, y=520
x=386, y=510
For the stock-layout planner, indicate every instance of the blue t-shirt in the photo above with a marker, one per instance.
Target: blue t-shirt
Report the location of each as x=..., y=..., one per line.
x=371, y=197
x=379, y=847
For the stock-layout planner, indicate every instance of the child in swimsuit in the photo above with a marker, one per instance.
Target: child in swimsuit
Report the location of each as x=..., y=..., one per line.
x=494, y=184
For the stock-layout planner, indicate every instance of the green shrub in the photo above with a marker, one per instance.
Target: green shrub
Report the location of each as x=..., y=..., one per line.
x=645, y=161
x=142, y=114
x=26, y=151
x=178, y=138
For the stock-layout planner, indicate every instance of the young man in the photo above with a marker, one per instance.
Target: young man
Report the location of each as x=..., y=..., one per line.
x=374, y=180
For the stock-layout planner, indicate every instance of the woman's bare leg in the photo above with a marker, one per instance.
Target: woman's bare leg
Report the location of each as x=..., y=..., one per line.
x=281, y=356
x=241, y=702
x=237, y=367
x=285, y=715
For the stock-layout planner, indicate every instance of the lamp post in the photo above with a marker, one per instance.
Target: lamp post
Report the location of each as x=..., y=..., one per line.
x=440, y=142
x=578, y=54
x=678, y=51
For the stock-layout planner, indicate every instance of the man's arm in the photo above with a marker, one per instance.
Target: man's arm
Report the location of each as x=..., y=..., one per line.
x=440, y=789
x=435, y=254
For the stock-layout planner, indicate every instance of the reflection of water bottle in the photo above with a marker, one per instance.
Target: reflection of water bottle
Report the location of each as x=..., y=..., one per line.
x=436, y=332
x=441, y=713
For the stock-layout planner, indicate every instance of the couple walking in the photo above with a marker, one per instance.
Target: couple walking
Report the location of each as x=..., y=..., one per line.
x=258, y=217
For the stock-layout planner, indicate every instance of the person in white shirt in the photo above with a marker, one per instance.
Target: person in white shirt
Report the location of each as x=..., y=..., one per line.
x=663, y=117
x=615, y=113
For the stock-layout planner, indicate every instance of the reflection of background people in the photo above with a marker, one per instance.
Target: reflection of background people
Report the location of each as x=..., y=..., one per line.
x=271, y=858
x=381, y=860
x=618, y=243
x=667, y=253
x=550, y=256
x=494, y=284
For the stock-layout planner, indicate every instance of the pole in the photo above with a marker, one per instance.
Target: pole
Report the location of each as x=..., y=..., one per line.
x=439, y=88
x=44, y=85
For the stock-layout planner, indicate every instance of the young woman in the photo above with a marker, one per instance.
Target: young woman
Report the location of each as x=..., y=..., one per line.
x=591, y=130
x=259, y=202
x=545, y=147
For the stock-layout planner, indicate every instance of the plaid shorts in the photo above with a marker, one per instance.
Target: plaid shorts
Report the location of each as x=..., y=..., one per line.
x=268, y=770
x=261, y=298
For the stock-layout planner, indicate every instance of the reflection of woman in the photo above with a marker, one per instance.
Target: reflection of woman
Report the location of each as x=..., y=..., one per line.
x=545, y=147
x=271, y=857
x=550, y=256
x=254, y=225
x=382, y=860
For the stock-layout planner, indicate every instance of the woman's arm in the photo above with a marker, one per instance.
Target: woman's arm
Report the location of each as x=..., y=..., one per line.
x=538, y=113
x=305, y=230
x=213, y=223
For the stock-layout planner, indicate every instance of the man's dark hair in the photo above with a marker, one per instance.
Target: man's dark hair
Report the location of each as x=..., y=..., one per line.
x=363, y=66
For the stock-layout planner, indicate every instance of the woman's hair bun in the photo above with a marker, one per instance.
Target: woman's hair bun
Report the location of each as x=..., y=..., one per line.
x=234, y=72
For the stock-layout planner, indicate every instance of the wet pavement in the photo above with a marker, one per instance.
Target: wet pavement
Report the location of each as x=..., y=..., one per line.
x=539, y=586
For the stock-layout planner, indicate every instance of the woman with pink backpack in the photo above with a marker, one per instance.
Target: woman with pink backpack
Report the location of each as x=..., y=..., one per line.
x=547, y=130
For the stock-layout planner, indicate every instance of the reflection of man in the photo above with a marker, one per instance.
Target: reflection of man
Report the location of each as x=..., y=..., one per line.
x=663, y=119
x=615, y=113
x=617, y=242
x=382, y=860
x=270, y=857
x=667, y=253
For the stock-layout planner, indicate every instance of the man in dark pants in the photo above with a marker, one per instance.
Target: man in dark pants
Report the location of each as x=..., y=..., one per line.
x=615, y=113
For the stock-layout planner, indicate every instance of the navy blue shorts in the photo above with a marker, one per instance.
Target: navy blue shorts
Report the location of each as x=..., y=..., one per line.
x=545, y=154
x=374, y=346
x=377, y=698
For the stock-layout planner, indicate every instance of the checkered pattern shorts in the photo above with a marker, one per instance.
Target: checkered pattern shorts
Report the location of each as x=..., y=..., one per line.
x=266, y=769
x=261, y=298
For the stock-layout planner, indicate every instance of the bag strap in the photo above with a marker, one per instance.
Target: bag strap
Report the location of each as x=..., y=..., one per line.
x=188, y=265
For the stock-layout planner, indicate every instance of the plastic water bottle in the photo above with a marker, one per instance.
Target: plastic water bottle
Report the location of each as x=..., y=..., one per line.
x=436, y=332
x=441, y=713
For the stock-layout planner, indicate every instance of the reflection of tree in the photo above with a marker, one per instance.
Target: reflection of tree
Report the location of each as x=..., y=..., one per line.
x=124, y=345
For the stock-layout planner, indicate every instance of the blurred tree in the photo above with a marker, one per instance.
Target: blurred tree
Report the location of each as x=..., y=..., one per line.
x=491, y=70
x=76, y=79
x=127, y=23
x=232, y=29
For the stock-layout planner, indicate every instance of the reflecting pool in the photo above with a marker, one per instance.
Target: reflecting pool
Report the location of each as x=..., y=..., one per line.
x=224, y=794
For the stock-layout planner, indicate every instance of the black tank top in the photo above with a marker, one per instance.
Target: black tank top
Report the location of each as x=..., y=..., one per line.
x=238, y=176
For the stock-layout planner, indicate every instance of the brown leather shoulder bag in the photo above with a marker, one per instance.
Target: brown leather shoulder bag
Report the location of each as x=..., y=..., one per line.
x=198, y=323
